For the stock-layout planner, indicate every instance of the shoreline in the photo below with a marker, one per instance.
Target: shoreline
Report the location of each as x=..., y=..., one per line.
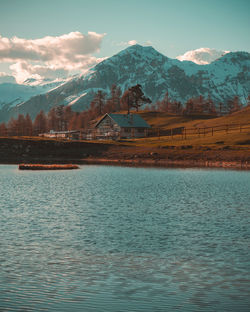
x=32, y=151
x=240, y=165
x=160, y=163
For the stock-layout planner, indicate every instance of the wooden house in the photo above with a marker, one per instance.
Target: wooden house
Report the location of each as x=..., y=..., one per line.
x=121, y=126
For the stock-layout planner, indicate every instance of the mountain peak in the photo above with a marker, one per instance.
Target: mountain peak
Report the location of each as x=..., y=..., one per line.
x=138, y=51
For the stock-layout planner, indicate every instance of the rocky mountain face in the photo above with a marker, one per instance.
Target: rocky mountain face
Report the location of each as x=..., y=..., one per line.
x=222, y=79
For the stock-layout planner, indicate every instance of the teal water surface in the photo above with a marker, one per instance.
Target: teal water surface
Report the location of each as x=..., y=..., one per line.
x=124, y=239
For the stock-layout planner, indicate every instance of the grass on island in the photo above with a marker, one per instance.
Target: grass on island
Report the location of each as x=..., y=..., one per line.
x=47, y=167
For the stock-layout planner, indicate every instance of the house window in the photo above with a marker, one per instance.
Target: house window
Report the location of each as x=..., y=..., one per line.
x=128, y=130
x=140, y=130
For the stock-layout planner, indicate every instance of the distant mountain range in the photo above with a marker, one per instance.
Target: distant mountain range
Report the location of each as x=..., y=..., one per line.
x=222, y=79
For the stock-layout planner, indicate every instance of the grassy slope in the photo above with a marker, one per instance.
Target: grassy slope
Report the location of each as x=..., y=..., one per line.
x=233, y=138
x=166, y=121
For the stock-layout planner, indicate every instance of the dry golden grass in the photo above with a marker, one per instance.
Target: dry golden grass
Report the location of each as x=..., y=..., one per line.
x=167, y=121
x=237, y=136
x=47, y=167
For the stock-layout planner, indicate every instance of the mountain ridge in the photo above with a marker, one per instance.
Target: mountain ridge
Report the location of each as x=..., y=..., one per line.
x=222, y=79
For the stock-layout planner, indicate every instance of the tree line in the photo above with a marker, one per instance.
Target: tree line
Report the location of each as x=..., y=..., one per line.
x=197, y=105
x=62, y=118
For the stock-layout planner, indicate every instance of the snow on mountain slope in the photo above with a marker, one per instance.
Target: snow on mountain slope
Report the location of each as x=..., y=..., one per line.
x=222, y=79
x=12, y=94
x=202, y=56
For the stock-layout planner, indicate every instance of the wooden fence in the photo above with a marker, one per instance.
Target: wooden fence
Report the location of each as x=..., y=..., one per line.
x=185, y=133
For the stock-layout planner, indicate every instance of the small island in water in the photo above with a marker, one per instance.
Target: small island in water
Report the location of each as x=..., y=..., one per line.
x=47, y=167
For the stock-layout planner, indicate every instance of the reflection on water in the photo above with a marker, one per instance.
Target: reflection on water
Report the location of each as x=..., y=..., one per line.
x=124, y=239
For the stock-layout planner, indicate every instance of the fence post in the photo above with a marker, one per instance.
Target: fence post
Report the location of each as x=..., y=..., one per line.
x=212, y=131
x=171, y=133
x=240, y=128
x=204, y=132
x=185, y=132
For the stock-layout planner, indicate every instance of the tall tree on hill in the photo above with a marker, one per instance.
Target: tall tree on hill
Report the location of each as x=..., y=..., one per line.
x=189, y=107
x=20, y=125
x=113, y=102
x=67, y=112
x=12, y=127
x=134, y=97
x=72, y=122
x=99, y=102
x=138, y=96
x=52, y=120
x=234, y=104
x=209, y=105
x=127, y=101
x=28, y=125
x=40, y=123
x=116, y=93
x=59, y=110
x=165, y=104
x=3, y=129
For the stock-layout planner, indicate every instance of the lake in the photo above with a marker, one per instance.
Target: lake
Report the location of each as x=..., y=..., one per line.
x=124, y=239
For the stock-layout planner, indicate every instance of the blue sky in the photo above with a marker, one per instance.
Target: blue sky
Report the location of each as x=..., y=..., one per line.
x=170, y=26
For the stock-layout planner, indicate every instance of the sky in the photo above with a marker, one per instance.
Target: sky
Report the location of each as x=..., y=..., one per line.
x=52, y=38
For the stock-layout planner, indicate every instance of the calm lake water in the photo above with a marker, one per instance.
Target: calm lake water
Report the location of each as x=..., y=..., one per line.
x=124, y=239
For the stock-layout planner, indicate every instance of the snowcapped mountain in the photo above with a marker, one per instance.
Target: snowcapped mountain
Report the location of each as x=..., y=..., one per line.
x=12, y=95
x=222, y=79
x=202, y=56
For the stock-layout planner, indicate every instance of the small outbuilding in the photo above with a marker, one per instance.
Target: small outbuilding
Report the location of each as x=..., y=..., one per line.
x=70, y=135
x=121, y=126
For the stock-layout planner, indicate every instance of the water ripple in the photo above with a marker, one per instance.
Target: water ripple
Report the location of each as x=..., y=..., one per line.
x=124, y=239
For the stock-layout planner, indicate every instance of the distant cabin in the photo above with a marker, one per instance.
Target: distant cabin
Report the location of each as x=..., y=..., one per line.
x=121, y=126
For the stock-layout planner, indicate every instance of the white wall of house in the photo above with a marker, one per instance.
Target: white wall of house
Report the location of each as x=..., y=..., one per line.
x=108, y=128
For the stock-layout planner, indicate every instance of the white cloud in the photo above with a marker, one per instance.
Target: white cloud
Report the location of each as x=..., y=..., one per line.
x=126, y=43
x=202, y=56
x=46, y=57
x=132, y=42
x=23, y=70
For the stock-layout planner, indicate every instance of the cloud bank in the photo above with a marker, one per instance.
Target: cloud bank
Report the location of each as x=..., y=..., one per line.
x=51, y=55
x=202, y=56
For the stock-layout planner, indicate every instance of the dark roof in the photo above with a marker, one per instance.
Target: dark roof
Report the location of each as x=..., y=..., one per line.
x=127, y=120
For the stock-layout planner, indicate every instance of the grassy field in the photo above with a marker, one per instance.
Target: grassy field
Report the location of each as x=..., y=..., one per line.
x=231, y=131
x=230, y=144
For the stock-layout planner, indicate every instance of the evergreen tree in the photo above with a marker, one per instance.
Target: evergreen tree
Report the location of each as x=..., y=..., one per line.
x=138, y=96
x=134, y=97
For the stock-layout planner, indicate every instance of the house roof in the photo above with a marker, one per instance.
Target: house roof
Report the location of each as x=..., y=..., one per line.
x=127, y=120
